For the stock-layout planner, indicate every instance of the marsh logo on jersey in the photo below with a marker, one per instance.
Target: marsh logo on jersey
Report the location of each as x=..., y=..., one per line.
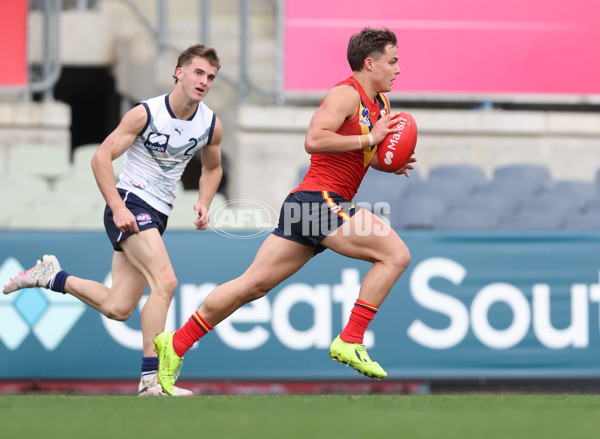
x=143, y=219
x=365, y=120
x=157, y=142
x=48, y=315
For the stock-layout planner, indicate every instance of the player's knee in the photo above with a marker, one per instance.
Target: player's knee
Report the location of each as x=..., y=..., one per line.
x=252, y=293
x=400, y=259
x=255, y=291
x=172, y=285
x=167, y=286
x=119, y=313
x=259, y=292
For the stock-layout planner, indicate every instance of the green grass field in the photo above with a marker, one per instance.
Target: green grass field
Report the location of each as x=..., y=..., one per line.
x=307, y=417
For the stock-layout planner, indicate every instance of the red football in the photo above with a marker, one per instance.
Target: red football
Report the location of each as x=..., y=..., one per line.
x=395, y=150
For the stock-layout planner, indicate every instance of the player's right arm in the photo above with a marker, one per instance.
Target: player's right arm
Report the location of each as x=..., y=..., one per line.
x=112, y=147
x=341, y=103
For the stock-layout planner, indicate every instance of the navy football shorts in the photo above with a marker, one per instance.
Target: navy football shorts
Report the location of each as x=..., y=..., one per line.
x=146, y=216
x=307, y=217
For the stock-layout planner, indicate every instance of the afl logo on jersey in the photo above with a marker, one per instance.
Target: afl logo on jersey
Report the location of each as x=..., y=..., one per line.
x=143, y=219
x=157, y=142
x=137, y=184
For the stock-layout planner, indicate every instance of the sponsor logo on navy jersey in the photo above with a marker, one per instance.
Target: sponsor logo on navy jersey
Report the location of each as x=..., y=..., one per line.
x=157, y=142
x=365, y=120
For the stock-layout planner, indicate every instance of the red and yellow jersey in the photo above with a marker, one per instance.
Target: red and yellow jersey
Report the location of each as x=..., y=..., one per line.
x=343, y=172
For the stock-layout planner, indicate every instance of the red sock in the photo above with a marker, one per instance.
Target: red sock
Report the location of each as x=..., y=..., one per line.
x=360, y=317
x=194, y=329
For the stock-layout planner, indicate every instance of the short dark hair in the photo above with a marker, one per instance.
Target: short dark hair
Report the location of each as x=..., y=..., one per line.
x=198, y=50
x=367, y=42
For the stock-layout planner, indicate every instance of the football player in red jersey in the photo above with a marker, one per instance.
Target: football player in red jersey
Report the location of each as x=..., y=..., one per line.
x=342, y=136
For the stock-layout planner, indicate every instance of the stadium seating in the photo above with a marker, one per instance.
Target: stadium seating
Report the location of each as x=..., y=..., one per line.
x=495, y=203
x=467, y=219
x=553, y=204
x=416, y=212
x=381, y=186
x=82, y=158
x=532, y=175
x=38, y=161
x=467, y=178
x=569, y=194
x=511, y=190
x=593, y=204
x=52, y=193
x=449, y=192
x=18, y=194
x=378, y=187
x=182, y=216
x=534, y=218
x=587, y=220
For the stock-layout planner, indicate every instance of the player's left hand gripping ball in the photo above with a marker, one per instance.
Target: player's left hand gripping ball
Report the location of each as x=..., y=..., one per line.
x=395, y=150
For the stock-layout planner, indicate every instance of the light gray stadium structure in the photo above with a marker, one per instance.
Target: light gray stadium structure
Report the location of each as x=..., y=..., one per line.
x=138, y=41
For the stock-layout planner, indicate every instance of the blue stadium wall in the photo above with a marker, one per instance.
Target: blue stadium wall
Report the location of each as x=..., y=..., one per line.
x=471, y=305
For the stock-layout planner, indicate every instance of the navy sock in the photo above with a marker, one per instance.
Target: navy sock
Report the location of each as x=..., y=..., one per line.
x=149, y=365
x=57, y=282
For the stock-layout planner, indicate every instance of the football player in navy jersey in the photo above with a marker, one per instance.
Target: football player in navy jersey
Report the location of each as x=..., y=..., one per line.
x=158, y=136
